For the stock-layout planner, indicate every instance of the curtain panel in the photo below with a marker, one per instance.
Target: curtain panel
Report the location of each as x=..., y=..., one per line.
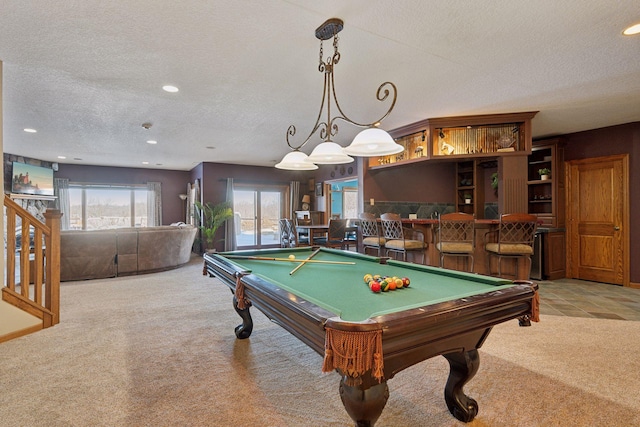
x=154, y=204
x=61, y=191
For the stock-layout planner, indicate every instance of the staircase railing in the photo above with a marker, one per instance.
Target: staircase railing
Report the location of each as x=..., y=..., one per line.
x=38, y=251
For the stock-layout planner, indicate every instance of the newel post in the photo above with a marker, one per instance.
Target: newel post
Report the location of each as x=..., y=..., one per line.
x=52, y=243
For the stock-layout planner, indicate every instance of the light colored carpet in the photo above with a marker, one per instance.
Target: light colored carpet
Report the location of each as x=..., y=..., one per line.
x=159, y=350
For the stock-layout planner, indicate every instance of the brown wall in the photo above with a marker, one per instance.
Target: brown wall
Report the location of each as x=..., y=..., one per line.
x=418, y=182
x=213, y=177
x=173, y=183
x=622, y=139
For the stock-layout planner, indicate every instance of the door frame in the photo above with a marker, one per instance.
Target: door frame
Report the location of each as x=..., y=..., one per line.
x=572, y=227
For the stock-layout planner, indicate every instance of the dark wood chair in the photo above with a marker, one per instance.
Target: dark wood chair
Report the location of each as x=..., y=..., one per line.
x=370, y=233
x=513, y=239
x=336, y=234
x=456, y=237
x=395, y=239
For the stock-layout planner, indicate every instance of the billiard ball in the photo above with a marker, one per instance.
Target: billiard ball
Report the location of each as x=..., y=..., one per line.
x=368, y=278
x=375, y=287
x=405, y=282
x=292, y=256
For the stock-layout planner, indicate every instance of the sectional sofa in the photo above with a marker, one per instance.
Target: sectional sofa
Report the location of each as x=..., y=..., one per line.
x=123, y=251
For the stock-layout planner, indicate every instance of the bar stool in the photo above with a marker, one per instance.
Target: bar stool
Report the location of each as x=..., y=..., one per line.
x=370, y=232
x=456, y=237
x=513, y=239
x=395, y=240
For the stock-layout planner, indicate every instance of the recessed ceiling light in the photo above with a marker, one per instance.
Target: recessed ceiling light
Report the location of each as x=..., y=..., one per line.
x=169, y=88
x=29, y=130
x=77, y=158
x=145, y=163
x=62, y=157
x=210, y=147
x=151, y=141
x=632, y=30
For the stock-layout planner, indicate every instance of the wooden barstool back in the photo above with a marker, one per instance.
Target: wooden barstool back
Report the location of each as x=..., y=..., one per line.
x=456, y=236
x=395, y=240
x=370, y=232
x=513, y=239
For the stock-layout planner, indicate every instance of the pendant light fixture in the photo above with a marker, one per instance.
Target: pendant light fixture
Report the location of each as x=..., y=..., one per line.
x=370, y=142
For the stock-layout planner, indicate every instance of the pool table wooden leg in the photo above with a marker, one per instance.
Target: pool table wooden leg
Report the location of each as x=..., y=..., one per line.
x=364, y=406
x=463, y=366
x=243, y=331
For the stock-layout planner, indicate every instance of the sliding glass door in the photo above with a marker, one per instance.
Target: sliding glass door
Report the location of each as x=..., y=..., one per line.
x=259, y=209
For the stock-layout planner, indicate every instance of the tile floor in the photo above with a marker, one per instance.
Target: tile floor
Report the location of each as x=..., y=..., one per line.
x=579, y=298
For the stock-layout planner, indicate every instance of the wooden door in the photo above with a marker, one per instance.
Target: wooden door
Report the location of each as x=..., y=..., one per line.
x=597, y=208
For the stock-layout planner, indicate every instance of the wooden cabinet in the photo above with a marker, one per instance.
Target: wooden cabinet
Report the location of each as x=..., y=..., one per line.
x=469, y=196
x=554, y=255
x=545, y=198
x=458, y=138
x=545, y=194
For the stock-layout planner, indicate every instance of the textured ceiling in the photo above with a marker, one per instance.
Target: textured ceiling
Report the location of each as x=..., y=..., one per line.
x=86, y=73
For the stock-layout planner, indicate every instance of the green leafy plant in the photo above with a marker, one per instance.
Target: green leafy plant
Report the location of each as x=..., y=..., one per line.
x=544, y=171
x=494, y=182
x=467, y=196
x=211, y=217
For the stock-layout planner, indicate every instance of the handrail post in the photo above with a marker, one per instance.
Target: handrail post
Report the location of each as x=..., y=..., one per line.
x=52, y=288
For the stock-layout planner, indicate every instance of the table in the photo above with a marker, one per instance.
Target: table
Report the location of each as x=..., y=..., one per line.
x=332, y=310
x=317, y=230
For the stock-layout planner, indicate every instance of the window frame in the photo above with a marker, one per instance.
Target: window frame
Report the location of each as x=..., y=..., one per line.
x=83, y=187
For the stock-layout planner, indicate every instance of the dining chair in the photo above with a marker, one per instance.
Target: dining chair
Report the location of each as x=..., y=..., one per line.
x=283, y=227
x=395, y=239
x=513, y=238
x=456, y=237
x=296, y=240
x=336, y=233
x=370, y=233
x=351, y=237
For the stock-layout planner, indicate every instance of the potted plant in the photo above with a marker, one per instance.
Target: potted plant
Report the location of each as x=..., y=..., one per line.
x=211, y=217
x=494, y=182
x=545, y=173
x=467, y=198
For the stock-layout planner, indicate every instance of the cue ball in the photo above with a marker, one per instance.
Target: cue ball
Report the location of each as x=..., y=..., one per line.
x=292, y=256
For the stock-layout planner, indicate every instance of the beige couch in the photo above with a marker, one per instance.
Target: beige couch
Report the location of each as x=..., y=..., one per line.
x=124, y=251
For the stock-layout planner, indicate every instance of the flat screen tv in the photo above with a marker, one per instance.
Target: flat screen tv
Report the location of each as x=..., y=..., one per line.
x=28, y=179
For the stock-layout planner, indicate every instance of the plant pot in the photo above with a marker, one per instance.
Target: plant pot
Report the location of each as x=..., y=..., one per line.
x=544, y=177
x=467, y=201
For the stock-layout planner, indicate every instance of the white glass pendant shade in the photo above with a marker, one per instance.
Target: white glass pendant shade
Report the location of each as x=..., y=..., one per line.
x=296, y=161
x=329, y=153
x=373, y=142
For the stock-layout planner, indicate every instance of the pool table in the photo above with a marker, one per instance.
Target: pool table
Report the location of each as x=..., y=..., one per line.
x=369, y=337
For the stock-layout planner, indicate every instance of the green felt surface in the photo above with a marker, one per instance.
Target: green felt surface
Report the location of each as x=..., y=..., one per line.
x=341, y=288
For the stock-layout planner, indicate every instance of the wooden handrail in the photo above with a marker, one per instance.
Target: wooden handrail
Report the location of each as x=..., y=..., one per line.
x=39, y=267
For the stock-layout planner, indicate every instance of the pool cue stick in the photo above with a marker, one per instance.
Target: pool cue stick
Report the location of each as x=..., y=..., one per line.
x=304, y=262
x=263, y=258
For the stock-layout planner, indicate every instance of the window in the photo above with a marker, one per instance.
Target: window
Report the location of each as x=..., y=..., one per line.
x=96, y=207
x=257, y=210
